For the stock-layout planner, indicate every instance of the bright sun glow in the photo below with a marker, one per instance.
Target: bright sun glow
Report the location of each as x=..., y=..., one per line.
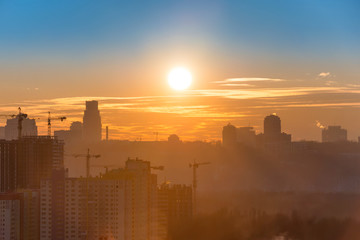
x=179, y=78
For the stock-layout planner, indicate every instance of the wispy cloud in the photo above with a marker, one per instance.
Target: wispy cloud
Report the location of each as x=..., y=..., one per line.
x=245, y=79
x=324, y=74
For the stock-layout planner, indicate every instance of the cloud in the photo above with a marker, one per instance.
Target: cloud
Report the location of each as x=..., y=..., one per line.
x=324, y=74
x=245, y=79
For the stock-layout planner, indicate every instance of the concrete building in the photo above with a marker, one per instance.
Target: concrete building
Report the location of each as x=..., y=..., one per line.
x=92, y=122
x=10, y=216
x=174, y=207
x=24, y=162
x=19, y=215
x=121, y=204
x=29, y=128
x=334, y=134
x=102, y=218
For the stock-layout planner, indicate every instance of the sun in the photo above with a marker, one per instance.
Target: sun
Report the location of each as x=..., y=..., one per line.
x=179, y=78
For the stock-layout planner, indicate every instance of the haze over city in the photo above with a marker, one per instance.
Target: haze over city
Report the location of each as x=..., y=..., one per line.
x=179, y=120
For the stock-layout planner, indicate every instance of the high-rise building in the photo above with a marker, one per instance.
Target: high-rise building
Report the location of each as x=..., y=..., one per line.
x=19, y=215
x=121, y=204
x=334, y=134
x=229, y=135
x=174, y=207
x=272, y=131
x=26, y=161
x=272, y=125
x=29, y=128
x=92, y=122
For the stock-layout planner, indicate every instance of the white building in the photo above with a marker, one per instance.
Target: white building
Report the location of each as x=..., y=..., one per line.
x=29, y=128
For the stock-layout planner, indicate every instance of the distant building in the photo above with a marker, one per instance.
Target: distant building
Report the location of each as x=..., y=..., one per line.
x=74, y=135
x=272, y=131
x=246, y=136
x=76, y=131
x=334, y=134
x=92, y=122
x=229, y=137
x=29, y=128
x=26, y=161
x=173, y=138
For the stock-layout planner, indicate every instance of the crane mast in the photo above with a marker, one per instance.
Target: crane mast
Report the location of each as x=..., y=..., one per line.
x=88, y=156
x=49, y=122
x=194, y=166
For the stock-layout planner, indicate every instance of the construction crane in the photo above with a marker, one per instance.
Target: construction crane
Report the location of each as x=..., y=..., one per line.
x=20, y=116
x=49, y=122
x=87, y=156
x=194, y=166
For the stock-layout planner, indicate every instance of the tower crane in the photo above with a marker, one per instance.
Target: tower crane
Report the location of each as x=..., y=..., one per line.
x=194, y=166
x=20, y=116
x=49, y=122
x=87, y=156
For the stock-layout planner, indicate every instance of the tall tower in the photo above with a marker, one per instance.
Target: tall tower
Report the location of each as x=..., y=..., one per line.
x=229, y=135
x=92, y=122
x=272, y=125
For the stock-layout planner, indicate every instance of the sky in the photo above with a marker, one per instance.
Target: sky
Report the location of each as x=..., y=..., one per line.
x=299, y=59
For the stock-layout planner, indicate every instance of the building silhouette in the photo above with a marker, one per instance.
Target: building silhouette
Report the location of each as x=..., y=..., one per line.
x=92, y=122
x=26, y=161
x=174, y=207
x=272, y=131
x=74, y=135
x=229, y=137
x=29, y=128
x=334, y=134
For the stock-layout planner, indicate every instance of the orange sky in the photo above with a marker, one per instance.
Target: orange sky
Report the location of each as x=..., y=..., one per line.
x=199, y=113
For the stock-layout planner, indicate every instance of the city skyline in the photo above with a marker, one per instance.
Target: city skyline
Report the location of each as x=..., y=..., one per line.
x=248, y=59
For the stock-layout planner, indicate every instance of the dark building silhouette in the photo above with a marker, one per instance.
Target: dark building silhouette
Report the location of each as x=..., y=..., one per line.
x=229, y=137
x=334, y=134
x=272, y=125
x=174, y=207
x=173, y=138
x=92, y=122
x=26, y=161
x=272, y=131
